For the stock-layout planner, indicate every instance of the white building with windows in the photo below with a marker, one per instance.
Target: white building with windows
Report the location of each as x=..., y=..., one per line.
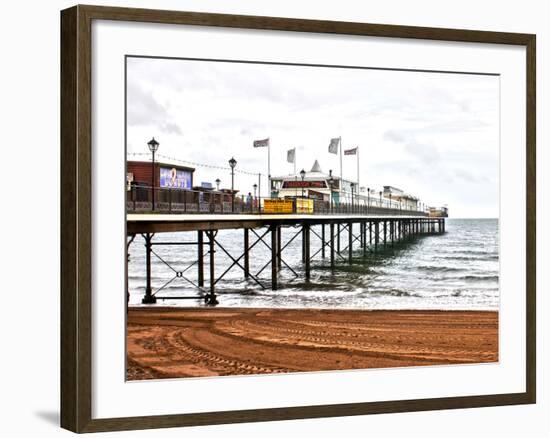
x=400, y=199
x=314, y=184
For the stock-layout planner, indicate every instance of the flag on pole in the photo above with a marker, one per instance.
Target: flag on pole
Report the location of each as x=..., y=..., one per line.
x=333, y=146
x=291, y=155
x=261, y=143
x=350, y=151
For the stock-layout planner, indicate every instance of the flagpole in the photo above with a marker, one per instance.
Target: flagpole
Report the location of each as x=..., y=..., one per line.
x=268, y=167
x=341, y=172
x=358, y=187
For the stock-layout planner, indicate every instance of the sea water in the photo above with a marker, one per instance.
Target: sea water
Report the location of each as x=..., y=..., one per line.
x=456, y=270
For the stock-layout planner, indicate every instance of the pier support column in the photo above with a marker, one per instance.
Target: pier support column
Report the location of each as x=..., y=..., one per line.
x=332, y=246
x=364, y=224
x=350, y=242
x=385, y=233
x=211, y=297
x=246, y=255
x=338, y=239
x=128, y=243
x=274, y=255
x=323, y=240
x=376, y=235
x=279, y=245
x=370, y=233
x=200, y=261
x=307, y=248
x=391, y=231
x=303, y=243
x=148, y=298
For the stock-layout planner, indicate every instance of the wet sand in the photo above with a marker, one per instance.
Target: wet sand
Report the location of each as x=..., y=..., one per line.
x=197, y=342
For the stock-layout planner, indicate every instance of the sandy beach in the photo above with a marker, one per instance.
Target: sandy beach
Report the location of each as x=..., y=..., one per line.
x=197, y=342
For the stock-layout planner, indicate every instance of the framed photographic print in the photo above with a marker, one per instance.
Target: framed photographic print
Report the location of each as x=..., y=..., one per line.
x=272, y=218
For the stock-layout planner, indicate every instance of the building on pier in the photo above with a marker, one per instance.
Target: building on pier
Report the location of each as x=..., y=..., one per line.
x=316, y=184
x=174, y=190
x=400, y=199
x=438, y=212
x=141, y=174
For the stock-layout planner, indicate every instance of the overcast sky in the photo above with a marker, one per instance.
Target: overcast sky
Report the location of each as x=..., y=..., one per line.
x=433, y=135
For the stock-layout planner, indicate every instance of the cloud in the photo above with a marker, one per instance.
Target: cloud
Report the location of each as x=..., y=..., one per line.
x=171, y=128
x=395, y=135
x=469, y=177
x=425, y=153
x=426, y=133
x=143, y=109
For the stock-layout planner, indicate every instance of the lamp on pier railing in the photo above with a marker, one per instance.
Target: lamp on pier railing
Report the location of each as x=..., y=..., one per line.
x=255, y=187
x=153, y=147
x=303, y=175
x=368, y=197
x=331, y=185
x=390, y=199
x=218, y=184
x=380, y=198
x=352, y=185
x=232, y=164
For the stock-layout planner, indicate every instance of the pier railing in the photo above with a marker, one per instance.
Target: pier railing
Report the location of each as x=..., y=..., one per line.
x=140, y=199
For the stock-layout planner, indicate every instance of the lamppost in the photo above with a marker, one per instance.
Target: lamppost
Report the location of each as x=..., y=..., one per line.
x=331, y=184
x=380, y=198
x=255, y=186
x=352, y=187
x=303, y=175
x=368, y=196
x=390, y=199
x=232, y=164
x=153, y=147
x=218, y=184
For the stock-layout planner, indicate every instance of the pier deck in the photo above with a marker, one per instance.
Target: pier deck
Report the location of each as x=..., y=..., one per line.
x=157, y=223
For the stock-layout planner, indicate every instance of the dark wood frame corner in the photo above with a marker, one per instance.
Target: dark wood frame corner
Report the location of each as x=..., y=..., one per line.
x=76, y=335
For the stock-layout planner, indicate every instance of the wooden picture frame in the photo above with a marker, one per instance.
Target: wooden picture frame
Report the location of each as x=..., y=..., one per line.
x=76, y=217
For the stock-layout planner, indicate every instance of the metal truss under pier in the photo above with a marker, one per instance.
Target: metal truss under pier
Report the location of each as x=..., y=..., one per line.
x=364, y=234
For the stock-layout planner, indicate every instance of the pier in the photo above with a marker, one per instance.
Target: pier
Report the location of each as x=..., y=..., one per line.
x=344, y=232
